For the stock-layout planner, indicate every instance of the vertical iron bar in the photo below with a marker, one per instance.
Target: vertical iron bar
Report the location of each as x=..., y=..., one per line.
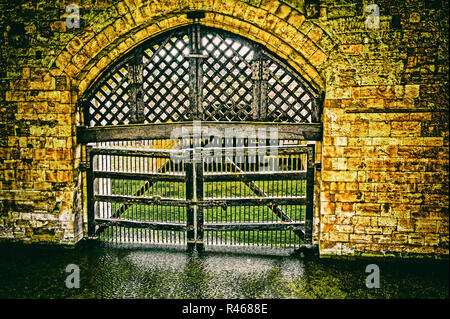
x=264, y=69
x=195, y=72
x=256, y=81
x=90, y=192
x=190, y=209
x=309, y=195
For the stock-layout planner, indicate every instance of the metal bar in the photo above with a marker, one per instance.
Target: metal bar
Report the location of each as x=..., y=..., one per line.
x=90, y=193
x=255, y=150
x=138, y=82
x=199, y=197
x=256, y=79
x=310, y=196
x=316, y=109
x=264, y=83
x=190, y=197
x=195, y=72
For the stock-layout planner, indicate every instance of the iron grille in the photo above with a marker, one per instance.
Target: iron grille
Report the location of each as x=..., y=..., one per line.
x=287, y=99
x=166, y=79
x=109, y=105
x=200, y=73
x=227, y=78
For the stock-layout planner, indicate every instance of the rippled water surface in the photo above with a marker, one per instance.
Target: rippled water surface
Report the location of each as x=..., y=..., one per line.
x=39, y=272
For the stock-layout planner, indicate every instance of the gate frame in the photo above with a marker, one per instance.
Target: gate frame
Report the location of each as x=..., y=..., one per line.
x=297, y=131
x=195, y=202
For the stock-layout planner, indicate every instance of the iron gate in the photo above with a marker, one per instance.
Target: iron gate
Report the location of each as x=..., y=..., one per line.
x=238, y=196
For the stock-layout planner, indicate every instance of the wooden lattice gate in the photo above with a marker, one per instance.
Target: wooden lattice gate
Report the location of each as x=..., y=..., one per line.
x=241, y=196
x=200, y=78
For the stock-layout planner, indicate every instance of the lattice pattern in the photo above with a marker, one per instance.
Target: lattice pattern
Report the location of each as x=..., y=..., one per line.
x=287, y=100
x=109, y=104
x=227, y=78
x=166, y=80
x=239, y=81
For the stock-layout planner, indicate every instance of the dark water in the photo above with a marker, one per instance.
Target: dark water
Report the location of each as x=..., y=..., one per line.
x=39, y=272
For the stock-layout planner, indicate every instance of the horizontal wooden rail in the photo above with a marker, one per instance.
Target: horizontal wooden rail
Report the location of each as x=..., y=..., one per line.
x=141, y=152
x=293, y=131
x=399, y=110
x=213, y=202
x=253, y=201
x=105, y=222
x=294, y=226
x=250, y=176
x=140, y=176
x=152, y=200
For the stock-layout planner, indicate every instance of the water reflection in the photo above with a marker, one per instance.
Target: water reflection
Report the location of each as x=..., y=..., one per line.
x=38, y=272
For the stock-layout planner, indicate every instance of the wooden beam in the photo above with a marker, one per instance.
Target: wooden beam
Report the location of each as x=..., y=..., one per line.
x=294, y=131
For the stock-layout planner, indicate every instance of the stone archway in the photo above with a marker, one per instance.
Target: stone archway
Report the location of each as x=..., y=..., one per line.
x=385, y=156
x=282, y=29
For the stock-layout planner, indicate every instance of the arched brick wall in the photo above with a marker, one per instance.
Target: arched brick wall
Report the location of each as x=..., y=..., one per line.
x=277, y=26
x=384, y=178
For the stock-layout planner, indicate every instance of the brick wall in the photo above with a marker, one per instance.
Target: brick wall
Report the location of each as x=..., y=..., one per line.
x=384, y=179
x=385, y=165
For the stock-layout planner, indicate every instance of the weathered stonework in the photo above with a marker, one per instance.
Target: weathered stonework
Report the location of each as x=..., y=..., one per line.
x=383, y=187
